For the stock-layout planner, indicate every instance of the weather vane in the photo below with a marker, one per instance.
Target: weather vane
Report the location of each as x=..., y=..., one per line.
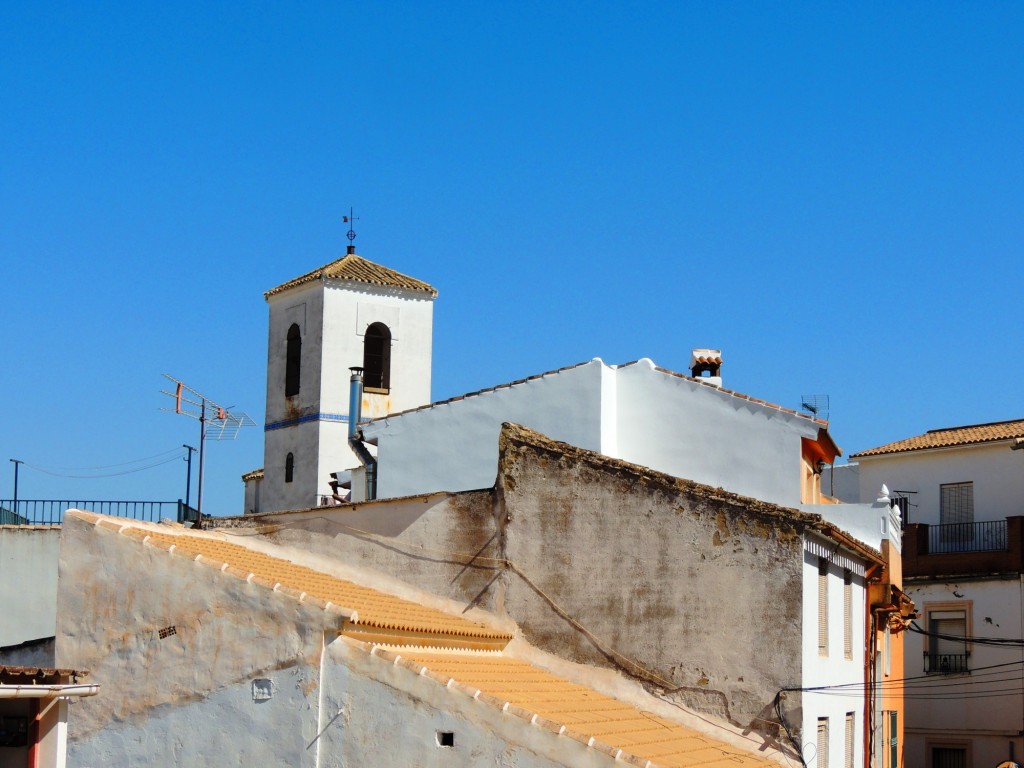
x=351, y=234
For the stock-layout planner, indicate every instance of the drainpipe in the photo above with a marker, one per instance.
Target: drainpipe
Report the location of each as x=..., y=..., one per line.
x=355, y=435
x=47, y=691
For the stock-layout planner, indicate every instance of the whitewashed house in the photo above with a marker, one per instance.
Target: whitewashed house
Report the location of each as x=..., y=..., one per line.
x=961, y=492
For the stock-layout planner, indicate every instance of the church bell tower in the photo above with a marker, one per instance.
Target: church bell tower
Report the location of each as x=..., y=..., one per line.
x=349, y=313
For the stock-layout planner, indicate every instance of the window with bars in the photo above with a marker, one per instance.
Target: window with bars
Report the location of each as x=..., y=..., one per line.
x=822, y=743
x=956, y=503
x=949, y=757
x=851, y=736
x=847, y=614
x=947, y=652
x=822, y=606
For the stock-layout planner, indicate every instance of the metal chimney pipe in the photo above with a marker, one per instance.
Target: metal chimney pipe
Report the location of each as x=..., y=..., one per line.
x=355, y=401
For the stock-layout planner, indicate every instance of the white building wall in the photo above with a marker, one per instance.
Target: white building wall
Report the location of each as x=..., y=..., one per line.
x=28, y=589
x=964, y=709
x=634, y=412
x=835, y=668
x=695, y=431
x=996, y=471
x=454, y=446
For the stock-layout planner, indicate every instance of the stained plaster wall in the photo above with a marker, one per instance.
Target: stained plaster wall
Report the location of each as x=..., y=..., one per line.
x=995, y=609
x=698, y=586
x=117, y=594
x=390, y=715
x=28, y=590
x=443, y=543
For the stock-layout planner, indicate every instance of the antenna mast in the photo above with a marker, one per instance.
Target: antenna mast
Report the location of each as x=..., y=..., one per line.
x=215, y=422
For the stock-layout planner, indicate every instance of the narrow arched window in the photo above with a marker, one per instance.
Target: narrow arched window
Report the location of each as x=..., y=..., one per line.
x=289, y=468
x=377, y=358
x=293, y=361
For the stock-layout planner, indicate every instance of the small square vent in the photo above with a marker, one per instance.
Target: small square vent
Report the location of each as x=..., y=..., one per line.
x=262, y=689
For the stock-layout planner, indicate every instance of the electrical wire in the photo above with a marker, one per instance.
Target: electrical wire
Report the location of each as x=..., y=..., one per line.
x=107, y=474
x=106, y=466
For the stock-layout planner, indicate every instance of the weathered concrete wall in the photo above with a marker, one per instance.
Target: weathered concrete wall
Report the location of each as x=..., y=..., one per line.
x=699, y=586
x=389, y=715
x=38, y=653
x=443, y=543
x=117, y=594
x=28, y=590
x=227, y=727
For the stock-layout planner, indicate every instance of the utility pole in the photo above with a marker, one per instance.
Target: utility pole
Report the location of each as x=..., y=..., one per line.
x=16, y=462
x=188, y=472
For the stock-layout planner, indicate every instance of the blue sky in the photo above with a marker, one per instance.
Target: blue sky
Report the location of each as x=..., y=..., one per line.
x=831, y=195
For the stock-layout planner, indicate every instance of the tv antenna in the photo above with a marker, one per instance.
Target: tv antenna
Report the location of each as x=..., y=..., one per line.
x=215, y=422
x=816, y=405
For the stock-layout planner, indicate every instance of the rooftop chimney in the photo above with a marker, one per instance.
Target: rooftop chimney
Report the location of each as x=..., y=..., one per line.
x=706, y=364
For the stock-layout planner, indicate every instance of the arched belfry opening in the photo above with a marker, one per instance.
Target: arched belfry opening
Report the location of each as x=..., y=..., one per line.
x=293, y=361
x=377, y=358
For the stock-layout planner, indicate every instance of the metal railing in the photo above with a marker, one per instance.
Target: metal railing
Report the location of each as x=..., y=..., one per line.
x=51, y=512
x=967, y=537
x=945, y=663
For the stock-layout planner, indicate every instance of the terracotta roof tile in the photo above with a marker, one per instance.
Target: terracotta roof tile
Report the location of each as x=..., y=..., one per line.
x=356, y=269
x=948, y=437
x=372, y=608
x=615, y=726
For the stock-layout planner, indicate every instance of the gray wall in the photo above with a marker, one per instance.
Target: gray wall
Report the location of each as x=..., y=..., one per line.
x=28, y=590
x=700, y=586
x=697, y=585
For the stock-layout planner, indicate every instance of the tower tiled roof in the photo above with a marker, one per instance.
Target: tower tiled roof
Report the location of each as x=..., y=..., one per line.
x=948, y=437
x=358, y=270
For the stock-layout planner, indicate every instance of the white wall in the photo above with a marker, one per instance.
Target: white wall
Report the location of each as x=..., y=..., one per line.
x=695, y=431
x=634, y=412
x=454, y=446
x=28, y=589
x=951, y=715
x=996, y=471
x=833, y=669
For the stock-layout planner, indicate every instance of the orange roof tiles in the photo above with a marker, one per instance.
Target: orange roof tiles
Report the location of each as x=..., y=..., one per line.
x=371, y=607
x=357, y=269
x=575, y=710
x=949, y=437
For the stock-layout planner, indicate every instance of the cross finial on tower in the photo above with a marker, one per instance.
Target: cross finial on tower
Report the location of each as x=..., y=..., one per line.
x=351, y=234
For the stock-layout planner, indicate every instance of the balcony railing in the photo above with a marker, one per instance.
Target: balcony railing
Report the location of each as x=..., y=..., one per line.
x=967, y=537
x=51, y=512
x=945, y=663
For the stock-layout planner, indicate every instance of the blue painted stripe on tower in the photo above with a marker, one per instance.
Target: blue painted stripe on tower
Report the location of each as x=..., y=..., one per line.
x=343, y=417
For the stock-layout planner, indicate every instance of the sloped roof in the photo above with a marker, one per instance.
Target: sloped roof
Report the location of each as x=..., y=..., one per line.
x=361, y=605
x=948, y=437
x=358, y=270
x=11, y=671
x=614, y=727
x=491, y=677
x=658, y=368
